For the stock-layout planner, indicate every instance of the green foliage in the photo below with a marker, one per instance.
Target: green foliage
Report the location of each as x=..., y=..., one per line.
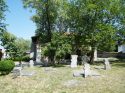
x=21, y=46
x=7, y=40
x=91, y=23
x=15, y=47
x=96, y=22
x=26, y=58
x=58, y=47
x=3, y=8
x=22, y=58
x=6, y=66
x=45, y=16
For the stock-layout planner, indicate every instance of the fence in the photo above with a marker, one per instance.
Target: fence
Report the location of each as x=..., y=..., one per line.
x=111, y=54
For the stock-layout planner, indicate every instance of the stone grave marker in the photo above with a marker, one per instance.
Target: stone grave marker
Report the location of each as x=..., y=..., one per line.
x=106, y=64
x=87, y=70
x=17, y=71
x=85, y=59
x=74, y=61
x=31, y=63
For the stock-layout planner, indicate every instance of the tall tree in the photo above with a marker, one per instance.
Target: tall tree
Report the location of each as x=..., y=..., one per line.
x=45, y=17
x=14, y=46
x=7, y=40
x=3, y=8
x=95, y=21
x=48, y=19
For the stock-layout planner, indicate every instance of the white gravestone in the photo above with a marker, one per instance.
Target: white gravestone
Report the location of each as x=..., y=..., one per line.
x=31, y=55
x=87, y=70
x=31, y=63
x=74, y=61
x=38, y=55
x=95, y=55
x=106, y=64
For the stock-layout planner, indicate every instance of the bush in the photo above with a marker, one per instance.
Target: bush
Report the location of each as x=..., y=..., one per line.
x=6, y=66
x=23, y=58
x=16, y=59
x=26, y=58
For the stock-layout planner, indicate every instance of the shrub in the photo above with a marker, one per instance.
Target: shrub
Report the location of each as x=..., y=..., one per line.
x=16, y=59
x=26, y=58
x=6, y=66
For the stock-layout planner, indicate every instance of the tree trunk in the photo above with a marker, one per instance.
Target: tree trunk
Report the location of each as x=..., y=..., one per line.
x=48, y=22
x=91, y=61
x=51, y=57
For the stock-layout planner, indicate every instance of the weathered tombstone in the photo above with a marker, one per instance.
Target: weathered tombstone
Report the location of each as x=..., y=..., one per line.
x=106, y=64
x=95, y=55
x=74, y=61
x=31, y=63
x=85, y=59
x=36, y=49
x=46, y=61
x=87, y=70
x=38, y=54
x=17, y=71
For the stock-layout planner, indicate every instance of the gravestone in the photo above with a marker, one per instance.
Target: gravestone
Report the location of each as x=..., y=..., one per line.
x=17, y=71
x=85, y=59
x=38, y=54
x=74, y=61
x=78, y=73
x=95, y=54
x=27, y=73
x=87, y=70
x=106, y=64
x=31, y=63
x=36, y=49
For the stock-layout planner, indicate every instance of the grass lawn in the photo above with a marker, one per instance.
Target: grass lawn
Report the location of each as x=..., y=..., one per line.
x=61, y=80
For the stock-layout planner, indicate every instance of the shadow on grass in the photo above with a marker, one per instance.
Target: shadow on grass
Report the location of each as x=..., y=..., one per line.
x=118, y=64
x=58, y=65
x=3, y=74
x=54, y=66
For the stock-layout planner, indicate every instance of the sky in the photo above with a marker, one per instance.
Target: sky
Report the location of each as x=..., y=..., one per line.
x=19, y=20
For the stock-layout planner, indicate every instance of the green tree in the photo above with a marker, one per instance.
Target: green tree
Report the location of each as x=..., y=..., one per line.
x=21, y=46
x=47, y=18
x=7, y=41
x=59, y=47
x=3, y=8
x=15, y=47
x=95, y=21
x=91, y=23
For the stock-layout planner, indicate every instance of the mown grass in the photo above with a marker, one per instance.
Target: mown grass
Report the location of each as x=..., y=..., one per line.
x=59, y=80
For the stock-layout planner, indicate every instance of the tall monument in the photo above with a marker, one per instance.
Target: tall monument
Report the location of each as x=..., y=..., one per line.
x=36, y=49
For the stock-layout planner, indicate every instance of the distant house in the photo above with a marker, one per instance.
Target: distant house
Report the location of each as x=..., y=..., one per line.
x=3, y=51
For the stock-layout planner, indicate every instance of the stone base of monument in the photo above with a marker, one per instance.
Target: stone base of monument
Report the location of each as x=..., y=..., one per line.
x=31, y=63
x=38, y=63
